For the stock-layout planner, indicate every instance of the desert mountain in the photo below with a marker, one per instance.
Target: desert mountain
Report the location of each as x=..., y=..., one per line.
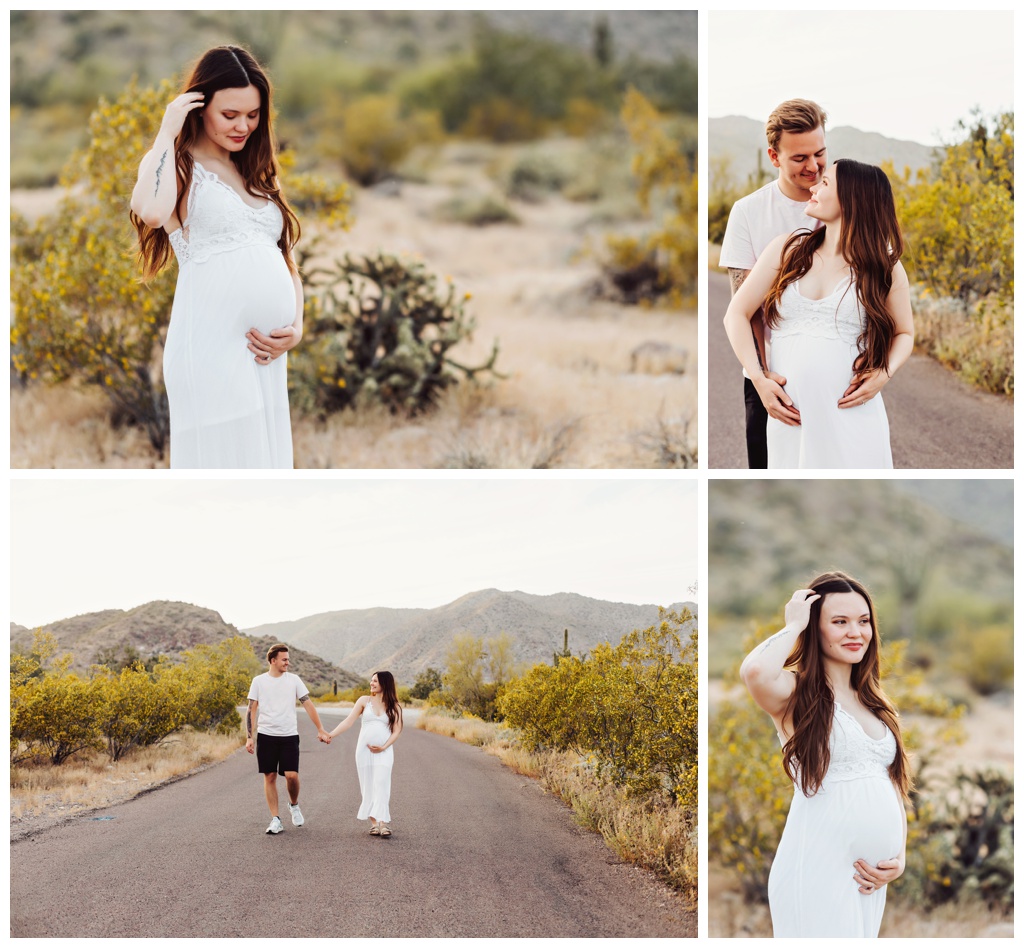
x=407, y=641
x=165, y=628
x=740, y=141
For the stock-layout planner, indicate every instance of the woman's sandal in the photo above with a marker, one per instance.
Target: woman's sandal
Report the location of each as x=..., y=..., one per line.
x=375, y=829
x=385, y=830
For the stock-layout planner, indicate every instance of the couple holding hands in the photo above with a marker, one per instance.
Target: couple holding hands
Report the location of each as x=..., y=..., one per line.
x=272, y=733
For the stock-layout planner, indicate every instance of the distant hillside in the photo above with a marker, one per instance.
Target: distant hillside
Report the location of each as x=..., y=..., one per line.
x=658, y=35
x=741, y=141
x=57, y=49
x=766, y=538
x=166, y=628
x=316, y=673
x=984, y=506
x=406, y=641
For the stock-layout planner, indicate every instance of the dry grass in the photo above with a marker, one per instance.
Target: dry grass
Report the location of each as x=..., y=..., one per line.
x=568, y=399
x=978, y=345
x=68, y=427
x=654, y=836
x=42, y=794
x=730, y=917
x=467, y=730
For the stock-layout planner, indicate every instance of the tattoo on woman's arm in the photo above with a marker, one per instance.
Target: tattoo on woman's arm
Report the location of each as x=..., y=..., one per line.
x=769, y=641
x=159, y=169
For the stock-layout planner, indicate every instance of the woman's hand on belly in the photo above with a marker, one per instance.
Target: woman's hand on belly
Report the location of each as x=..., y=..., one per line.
x=863, y=387
x=871, y=878
x=267, y=348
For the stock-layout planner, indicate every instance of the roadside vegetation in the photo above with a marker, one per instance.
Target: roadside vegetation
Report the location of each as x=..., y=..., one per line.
x=612, y=733
x=83, y=741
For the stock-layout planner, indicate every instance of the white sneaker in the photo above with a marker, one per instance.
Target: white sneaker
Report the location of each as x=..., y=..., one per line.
x=297, y=818
x=275, y=826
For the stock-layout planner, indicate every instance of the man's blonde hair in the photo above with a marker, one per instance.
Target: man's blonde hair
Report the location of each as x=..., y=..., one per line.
x=794, y=115
x=276, y=650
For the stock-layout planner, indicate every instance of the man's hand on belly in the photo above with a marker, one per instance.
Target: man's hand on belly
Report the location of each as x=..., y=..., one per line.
x=776, y=402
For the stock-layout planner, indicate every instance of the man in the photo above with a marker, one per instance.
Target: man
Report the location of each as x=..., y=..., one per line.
x=796, y=146
x=272, y=698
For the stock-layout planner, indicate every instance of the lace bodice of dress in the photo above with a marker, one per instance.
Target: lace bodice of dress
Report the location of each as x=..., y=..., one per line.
x=218, y=220
x=370, y=716
x=837, y=316
x=854, y=753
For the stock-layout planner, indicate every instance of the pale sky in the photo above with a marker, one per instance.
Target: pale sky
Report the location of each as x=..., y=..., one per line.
x=906, y=75
x=269, y=550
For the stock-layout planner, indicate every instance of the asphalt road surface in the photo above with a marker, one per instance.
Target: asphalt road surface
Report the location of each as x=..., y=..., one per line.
x=935, y=419
x=477, y=851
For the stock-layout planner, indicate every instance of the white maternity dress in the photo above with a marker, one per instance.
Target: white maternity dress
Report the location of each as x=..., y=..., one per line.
x=856, y=814
x=814, y=346
x=227, y=410
x=374, y=769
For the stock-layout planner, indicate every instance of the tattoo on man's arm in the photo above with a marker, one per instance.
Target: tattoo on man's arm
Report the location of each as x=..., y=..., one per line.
x=736, y=278
x=248, y=718
x=159, y=169
x=305, y=698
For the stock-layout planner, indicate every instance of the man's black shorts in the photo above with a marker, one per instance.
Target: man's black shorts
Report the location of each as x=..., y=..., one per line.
x=279, y=754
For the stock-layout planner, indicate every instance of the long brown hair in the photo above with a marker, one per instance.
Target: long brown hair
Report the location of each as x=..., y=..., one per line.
x=806, y=754
x=389, y=694
x=223, y=67
x=871, y=243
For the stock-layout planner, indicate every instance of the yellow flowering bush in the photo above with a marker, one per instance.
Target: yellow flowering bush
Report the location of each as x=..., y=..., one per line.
x=56, y=713
x=630, y=708
x=662, y=264
x=79, y=310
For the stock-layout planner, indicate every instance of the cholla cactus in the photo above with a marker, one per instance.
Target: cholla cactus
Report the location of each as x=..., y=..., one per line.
x=379, y=329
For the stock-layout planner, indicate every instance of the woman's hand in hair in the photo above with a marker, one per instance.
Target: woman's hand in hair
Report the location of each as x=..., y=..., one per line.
x=764, y=671
x=176, y=113
x=871, y=878
x=798, y=609
x=863, y=387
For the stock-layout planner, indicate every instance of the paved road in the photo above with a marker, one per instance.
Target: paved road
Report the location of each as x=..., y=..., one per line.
x=477, y=851
x=935, y=419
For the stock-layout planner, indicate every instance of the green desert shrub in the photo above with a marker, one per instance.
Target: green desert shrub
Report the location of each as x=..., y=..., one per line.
x=378, y=330
x=371, y=135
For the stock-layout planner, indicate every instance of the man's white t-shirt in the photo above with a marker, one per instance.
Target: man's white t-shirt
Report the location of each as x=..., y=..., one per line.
x=277, y=697
x=754, y=222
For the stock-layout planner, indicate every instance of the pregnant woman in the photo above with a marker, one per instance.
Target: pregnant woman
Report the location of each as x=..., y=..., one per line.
x=845, y=836
x=208, y=189
x=837, y=301
x=380, y=717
